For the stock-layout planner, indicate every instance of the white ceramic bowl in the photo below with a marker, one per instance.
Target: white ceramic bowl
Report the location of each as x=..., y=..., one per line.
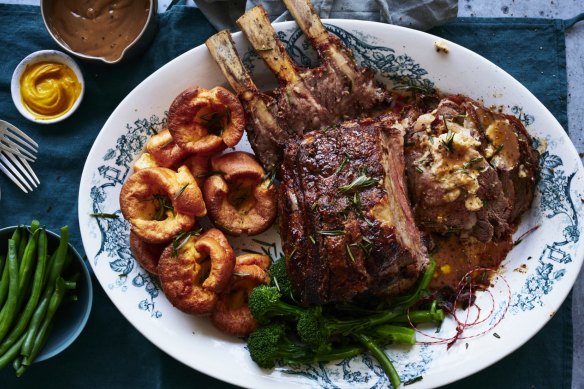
x=44, y=56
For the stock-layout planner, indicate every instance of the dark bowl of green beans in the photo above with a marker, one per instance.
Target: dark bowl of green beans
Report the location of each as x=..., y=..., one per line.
x=45, y=294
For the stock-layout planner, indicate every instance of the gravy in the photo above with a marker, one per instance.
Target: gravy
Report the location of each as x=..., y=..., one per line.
x=98, y=28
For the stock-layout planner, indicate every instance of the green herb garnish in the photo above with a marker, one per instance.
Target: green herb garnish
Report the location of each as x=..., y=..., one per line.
x=104, y=215
x=343, y=163
x=180, y=192
x=350, y=252
x=164, y=205
x=181, y=239
x=331, y=232
x=361, y=182
x=448, y=142
x=472, y=162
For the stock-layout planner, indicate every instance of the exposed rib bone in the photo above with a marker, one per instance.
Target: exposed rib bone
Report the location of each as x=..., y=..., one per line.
x=260, y=33
x=265, y=135
x=329, y=47
x=307, y=99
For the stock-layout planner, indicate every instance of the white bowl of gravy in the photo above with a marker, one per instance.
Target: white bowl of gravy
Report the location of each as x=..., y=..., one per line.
x=107, y=31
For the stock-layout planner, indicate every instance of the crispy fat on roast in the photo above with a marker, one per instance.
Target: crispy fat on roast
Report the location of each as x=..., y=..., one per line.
x=345, y=220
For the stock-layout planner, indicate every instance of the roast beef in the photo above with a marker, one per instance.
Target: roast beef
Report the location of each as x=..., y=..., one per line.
x=470, y=170
x=307, y=98
x=345, y=220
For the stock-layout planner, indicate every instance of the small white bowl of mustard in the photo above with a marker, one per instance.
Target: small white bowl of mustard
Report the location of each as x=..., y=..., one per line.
x=47, y=86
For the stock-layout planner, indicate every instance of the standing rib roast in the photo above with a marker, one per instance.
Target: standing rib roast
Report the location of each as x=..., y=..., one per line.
x=345, y=218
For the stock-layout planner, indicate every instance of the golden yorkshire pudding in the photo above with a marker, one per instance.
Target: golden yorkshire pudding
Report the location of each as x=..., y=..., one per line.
x=240, y=200
x=206, y=121
x=164, y=150
x=145, y=161
x=200, y=166
x=146, y=254
x=160, y=203
x=232, y=314
x=194, y=269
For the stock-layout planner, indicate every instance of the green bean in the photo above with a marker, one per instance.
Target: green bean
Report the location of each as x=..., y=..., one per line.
x=31, y=305
x=2, y=262
x=56, y=266
x=35, y=323
x=16, y=237
x=27, y=265
x=9, y=356
x=49, y=265
x=43, y=333
x=4, y=285
x=22, y=244
x=60, y=258
x=9, y=309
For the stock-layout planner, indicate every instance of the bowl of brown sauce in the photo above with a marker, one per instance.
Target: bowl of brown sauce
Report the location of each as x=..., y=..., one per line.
x=108, y=31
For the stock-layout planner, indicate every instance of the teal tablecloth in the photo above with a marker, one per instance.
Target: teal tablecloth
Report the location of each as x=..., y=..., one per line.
x=112, y=354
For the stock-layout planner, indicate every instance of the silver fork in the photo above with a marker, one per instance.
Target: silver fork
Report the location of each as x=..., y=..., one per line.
x=16, y=151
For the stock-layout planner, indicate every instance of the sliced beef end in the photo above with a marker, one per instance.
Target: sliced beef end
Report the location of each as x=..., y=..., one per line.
x=345, y=221
x=452, y=186
x=508, y=148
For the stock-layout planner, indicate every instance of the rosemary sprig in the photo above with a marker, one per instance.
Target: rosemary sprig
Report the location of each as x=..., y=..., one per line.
x=415, y=88
x=215, y=121
x=448, y=142
x=361, y=182
x=260, y=49
x=104, y=215
x=343, y=163
x=164, y=205
x=312, y=239
x=472, y=162
x=180, y=192
x=350, y=252
x=331, y=232
x=181, y=239
x=366, y=245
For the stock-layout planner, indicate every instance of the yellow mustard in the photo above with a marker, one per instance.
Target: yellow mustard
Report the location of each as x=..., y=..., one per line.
x=48, y=90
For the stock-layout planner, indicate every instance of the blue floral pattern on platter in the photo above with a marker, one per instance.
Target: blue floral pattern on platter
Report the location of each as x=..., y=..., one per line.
x=554, y=201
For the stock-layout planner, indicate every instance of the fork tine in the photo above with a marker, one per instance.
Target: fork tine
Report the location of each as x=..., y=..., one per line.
x=9, y=136
x=19, y=168
x=30, y=171
x=9, y=127
x=3, y=162
x=11, y=147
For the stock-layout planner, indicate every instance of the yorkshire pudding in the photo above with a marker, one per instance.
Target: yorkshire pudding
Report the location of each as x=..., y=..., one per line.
x=160, y=203
x=232, y=314
x=146, y=254
x=200, y=166
x=193, y=272
x=206, y=121
x=241, y=200
x=145, y=161
x=164, y=150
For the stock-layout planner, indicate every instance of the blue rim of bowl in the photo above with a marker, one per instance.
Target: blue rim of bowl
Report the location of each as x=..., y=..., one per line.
x=71, y=337
x=35, y=57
